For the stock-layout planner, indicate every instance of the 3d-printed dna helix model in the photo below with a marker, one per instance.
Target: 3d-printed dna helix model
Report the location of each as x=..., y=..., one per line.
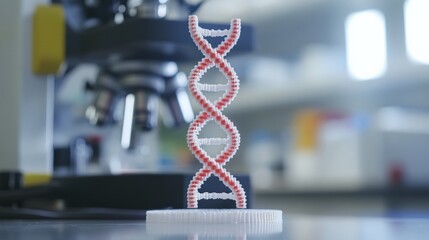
x=214, y=57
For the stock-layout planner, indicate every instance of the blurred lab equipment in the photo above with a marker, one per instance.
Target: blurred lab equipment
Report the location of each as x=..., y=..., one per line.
x=136, y=47
x=404, y=146
x=337, y=150
x=136, y=67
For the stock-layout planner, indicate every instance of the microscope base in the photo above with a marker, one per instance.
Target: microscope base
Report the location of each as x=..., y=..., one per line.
x=140, y=191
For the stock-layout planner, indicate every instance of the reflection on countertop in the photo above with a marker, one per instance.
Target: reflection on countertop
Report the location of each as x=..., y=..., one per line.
x=294, y=227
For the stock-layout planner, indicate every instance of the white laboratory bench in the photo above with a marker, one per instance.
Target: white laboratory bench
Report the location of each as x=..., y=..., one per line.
x=293, y=227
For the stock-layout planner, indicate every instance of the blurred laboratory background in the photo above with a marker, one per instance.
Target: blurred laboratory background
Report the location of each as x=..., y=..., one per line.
x=333, y=104
x=333, y=107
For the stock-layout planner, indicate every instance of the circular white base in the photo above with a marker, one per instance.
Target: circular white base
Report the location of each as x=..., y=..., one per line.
x=214, y=216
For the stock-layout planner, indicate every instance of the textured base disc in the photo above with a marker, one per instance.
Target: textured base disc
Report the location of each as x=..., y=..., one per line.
x=214, y=230
x=214, y=216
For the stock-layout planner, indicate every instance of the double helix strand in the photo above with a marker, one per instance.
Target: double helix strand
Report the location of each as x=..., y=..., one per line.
x=212, y=111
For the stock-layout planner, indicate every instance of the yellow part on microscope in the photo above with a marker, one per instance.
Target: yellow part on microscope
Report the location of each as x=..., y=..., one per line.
x=34, y=179
x=48, y=39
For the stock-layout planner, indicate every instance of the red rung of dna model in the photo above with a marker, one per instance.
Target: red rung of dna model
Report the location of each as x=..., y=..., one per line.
x=214, y=57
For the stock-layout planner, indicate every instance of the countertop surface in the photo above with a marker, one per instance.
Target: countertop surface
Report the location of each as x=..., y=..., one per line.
x=293, y=227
